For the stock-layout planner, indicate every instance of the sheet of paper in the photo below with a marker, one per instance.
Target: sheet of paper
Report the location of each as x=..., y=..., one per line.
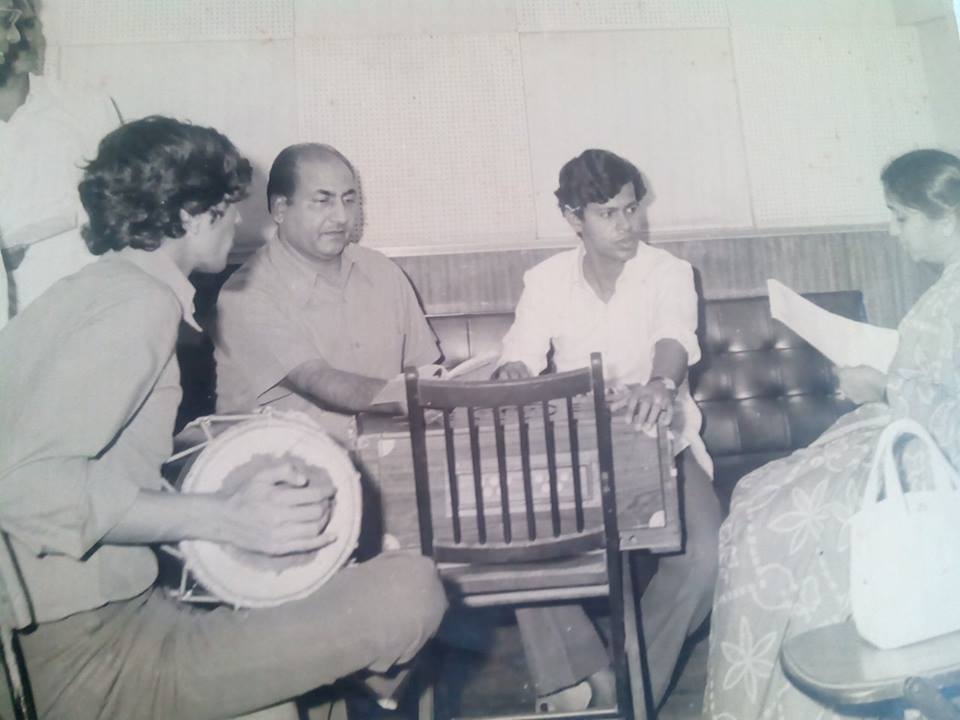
x=395, y=391
x=475, y=369
x=845, y=342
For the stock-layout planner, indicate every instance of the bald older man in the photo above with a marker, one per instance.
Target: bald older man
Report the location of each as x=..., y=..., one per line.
x=313, y=321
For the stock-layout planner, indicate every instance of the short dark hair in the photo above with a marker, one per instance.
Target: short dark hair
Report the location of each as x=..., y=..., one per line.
x=283, y=173
x=925, y=180
x=596, y=176
x=147, y=171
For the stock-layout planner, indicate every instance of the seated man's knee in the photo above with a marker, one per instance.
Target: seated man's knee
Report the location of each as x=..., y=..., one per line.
x=412, y=589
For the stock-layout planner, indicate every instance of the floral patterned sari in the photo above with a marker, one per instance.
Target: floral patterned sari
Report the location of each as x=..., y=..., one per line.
x=784, y=549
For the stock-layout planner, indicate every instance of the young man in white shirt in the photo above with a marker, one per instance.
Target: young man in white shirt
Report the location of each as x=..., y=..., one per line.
x=637, y=305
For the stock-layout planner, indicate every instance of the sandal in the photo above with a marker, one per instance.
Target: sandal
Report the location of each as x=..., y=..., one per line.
x=570, y=699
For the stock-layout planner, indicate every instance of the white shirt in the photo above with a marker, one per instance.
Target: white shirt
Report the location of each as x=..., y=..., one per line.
x=44, y=147
x=654, y=299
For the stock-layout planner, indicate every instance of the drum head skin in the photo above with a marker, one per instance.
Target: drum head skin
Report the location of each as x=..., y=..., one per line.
x=247, y=579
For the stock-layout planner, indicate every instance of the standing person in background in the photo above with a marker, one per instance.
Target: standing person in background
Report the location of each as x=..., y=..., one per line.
x=47, y=132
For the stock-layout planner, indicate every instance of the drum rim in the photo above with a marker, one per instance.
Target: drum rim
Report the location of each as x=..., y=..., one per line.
x=194, y=550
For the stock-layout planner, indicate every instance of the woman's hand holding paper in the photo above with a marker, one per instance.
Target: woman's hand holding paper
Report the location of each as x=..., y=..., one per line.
x=861, y=384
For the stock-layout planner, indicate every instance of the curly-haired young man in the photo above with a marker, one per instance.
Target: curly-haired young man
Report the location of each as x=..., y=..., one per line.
x=90, y=388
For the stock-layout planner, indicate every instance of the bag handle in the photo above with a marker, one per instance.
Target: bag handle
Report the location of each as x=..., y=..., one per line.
x=884, y=467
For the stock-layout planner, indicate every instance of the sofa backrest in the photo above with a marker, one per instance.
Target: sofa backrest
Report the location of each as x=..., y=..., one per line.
x=763, y=390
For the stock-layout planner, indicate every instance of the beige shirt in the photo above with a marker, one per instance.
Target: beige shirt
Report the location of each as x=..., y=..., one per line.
x=654, y=299
x=276, y=313
x=90, y=387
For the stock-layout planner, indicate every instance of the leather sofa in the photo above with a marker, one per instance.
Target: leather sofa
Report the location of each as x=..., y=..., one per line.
x=764, y=392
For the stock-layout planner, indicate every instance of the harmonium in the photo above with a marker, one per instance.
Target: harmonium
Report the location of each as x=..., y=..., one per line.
x=645, y=478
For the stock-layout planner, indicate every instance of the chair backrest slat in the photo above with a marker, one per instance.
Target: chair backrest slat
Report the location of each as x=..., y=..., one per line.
x=502, y=473
x=523, y=428
x=474, y=431
x=453, y=481
x=573, y=426
x=550, y=441
x=550, y=478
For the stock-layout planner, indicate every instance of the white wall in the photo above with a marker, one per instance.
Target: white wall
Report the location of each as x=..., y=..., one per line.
x=744, y=114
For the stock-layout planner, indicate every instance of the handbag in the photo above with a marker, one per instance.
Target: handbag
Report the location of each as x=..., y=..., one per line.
x=904, y=570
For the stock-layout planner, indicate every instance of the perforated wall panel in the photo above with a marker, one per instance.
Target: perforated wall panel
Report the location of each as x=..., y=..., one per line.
x=71, y=22
x=823, y=111
x=436, y=128
x=666, y=100
x=549, y=15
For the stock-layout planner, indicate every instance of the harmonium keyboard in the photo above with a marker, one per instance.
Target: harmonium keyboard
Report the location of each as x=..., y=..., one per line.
x=644, y=476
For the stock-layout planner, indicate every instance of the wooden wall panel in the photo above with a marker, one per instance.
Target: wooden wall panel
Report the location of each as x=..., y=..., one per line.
x=867, y=260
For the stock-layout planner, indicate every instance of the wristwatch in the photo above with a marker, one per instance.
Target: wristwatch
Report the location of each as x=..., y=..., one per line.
x=668, y=383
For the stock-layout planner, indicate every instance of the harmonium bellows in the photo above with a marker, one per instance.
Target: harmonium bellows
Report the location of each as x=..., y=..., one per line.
x=644, y=476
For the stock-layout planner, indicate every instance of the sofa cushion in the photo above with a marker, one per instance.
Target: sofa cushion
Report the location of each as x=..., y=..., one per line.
x=764, y=392
x=469, y=335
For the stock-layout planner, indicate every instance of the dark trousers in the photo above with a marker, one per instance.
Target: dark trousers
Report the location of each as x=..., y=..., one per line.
x=562, y=646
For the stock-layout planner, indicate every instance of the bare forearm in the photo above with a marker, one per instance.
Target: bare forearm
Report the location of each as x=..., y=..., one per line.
x=669, y=360
x=158, y=517
x=334, y=389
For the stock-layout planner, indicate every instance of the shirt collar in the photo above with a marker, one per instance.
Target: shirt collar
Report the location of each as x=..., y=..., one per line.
x=579, y=279
x=160, y=266
x=297, y=273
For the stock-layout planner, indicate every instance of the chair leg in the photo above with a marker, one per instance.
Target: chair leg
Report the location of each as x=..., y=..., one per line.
x=640, y=687
x=425, y=704
x=20, y=695
x=923, y=696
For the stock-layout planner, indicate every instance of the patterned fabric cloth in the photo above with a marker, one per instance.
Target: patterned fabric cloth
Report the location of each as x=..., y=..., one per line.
x=784, y=549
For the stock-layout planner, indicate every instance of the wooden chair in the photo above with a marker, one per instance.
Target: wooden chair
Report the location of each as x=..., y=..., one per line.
x=15, y=614
x=516, y=501
x=837, y=667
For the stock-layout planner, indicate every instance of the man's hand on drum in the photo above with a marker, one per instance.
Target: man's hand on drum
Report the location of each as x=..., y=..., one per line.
x=515, y=370
x=644, y=403
x=279, y=511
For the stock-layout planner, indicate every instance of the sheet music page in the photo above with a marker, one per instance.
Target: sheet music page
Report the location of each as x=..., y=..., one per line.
x=475, y=369
x=845, y=342
x=395, y=391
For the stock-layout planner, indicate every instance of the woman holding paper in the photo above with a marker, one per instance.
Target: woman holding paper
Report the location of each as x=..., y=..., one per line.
x=784, y=549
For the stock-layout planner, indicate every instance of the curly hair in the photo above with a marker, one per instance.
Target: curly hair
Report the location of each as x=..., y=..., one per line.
x=926, y=180
x=147, y=171
x=596, y=176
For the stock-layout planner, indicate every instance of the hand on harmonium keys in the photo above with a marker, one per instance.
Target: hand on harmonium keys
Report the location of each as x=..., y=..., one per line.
x=280, y=509
x=642, y=405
